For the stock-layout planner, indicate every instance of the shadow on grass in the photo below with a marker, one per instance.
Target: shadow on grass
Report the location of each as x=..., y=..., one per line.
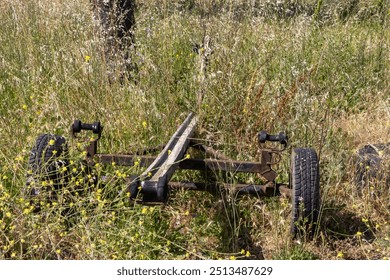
x=236, y=234
x=235, y=230
x=338, y=223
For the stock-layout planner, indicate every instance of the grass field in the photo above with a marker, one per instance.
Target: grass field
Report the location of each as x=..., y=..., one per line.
x=318, y=70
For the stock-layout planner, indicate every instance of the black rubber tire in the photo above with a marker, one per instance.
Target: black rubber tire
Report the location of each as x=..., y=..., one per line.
x=47, y=161
x=371, y=164
x=305, y=183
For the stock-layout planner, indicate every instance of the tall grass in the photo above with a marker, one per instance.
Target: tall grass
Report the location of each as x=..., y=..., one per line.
x=318, y=71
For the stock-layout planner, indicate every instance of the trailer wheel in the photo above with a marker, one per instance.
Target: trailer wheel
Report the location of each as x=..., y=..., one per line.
x=305, y=182
x=47, y=165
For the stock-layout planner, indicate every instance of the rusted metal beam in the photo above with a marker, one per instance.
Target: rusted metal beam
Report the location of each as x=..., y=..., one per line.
x=208, y=150
x=125, y=160
x=155, y=178
x=269, y=189
x=193, y=164
x=224, y=165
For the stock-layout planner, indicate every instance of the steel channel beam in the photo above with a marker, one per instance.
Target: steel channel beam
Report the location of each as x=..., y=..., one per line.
x=154, y=180
x=208, y=150
x=125, y=160
x=269, y=189
x=193, y=164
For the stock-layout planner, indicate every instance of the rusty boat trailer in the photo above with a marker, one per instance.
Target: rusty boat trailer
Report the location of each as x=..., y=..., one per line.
x=154, y=183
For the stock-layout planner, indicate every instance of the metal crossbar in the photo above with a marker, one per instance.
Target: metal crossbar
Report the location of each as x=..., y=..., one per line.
x=232, y=166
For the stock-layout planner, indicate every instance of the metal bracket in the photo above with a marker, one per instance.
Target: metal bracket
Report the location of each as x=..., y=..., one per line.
x=95, y=127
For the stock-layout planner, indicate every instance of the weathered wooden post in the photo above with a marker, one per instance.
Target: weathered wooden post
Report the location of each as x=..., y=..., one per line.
x=116, y=23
